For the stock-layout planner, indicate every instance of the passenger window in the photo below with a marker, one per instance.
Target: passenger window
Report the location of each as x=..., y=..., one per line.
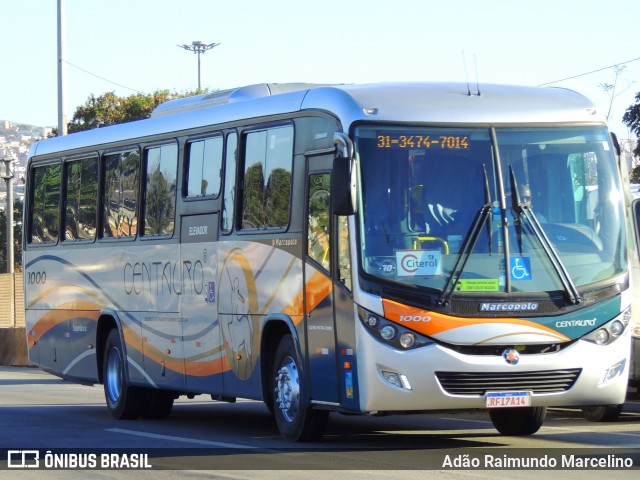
x=160, y=190
x=228, y=207
x=121, y=186
x=80, y=202
x=319, y=219
x=267, y=178
x=204, y=167
x=45, y=204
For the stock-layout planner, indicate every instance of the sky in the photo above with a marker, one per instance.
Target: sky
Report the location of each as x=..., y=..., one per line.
x=130, y=46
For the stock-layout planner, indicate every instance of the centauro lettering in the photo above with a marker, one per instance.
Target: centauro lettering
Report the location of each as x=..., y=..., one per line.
x=509, y=307
x=176, y=278
x=576, y=323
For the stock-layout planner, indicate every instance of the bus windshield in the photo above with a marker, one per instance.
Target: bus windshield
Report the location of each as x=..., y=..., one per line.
x=483, y=210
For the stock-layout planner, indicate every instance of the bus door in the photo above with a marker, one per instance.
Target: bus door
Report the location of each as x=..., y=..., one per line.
x=319, y=291
x=200, y=326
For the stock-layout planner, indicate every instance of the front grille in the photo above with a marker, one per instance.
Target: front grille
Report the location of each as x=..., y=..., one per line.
x=543, y=381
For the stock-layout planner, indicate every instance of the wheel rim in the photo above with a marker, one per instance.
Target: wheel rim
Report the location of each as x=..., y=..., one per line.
x=287, y=389
x=113, y=380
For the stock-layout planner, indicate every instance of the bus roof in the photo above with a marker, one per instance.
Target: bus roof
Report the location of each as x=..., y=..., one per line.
x=429, y=102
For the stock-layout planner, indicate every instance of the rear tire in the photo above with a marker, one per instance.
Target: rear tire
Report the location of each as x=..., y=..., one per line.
x=602, y=413
x=160, y=403
x=518, y=421
x=123, y=401
x=295, y=418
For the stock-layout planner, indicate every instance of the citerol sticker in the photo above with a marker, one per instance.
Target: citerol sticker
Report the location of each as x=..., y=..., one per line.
x=418, y=263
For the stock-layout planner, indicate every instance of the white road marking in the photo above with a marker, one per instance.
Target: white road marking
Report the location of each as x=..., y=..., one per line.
x=181, y=439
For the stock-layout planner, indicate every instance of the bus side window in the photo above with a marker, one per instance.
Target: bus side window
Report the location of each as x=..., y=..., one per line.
x=80, y=201
x=160, y=190
x=45, y=217
x=319, y=220
x=267, y=178
x=204, y=167
x=344, y=257
x=229, y=183
x=122, y=174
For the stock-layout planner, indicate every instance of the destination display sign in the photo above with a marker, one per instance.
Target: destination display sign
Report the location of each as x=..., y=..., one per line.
x=444, y=142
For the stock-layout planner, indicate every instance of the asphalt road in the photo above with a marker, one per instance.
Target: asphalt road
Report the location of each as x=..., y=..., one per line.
x=205, y=439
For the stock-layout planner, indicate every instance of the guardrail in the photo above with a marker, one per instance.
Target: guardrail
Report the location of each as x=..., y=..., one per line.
x=11, y=300
x=13, y=340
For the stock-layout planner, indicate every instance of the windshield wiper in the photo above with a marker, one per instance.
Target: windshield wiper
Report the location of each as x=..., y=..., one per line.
x=523, y=209
x=483, y=216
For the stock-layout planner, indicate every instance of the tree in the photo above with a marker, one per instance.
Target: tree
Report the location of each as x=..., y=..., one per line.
x=111, y=109
x=17, y=238
x=631, y=119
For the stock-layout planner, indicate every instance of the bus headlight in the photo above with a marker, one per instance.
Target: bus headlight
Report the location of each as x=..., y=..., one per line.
x=602, y=336
x=617, y=328
x=610, y=331
x=390, y=333
x=407, y=340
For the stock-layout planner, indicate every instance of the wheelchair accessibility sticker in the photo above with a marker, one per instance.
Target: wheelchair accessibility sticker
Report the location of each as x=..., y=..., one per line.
x=520, y=268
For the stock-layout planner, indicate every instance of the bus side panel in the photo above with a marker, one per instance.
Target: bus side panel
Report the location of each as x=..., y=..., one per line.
x=203, y=344
x=61, y=313
x=256, y=280
x=346, y=350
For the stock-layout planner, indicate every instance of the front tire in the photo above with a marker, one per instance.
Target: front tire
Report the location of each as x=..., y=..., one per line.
x=602, y=413
x=123, y=401
x=296, y=420
x=519, y=420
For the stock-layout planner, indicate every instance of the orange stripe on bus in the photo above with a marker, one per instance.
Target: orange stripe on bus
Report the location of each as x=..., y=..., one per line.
x=439, y=322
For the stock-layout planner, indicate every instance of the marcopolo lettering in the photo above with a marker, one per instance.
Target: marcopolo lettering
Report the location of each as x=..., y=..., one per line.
x=508, y=307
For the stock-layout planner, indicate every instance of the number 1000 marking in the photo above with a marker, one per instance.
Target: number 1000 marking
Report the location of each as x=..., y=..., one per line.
x=37, y=278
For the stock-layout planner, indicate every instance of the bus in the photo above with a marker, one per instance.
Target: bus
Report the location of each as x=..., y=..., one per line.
x=357, y=249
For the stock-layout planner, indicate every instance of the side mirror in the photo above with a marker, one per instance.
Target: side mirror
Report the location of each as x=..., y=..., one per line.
x=343, y=177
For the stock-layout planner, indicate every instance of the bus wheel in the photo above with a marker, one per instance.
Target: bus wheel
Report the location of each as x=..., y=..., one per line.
x=296, y=420
x=519, y=420
x=123, y=401
x=160, y=404
x=602, y=413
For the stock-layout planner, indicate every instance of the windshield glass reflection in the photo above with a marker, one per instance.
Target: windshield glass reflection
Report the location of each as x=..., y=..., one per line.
x=423, y=189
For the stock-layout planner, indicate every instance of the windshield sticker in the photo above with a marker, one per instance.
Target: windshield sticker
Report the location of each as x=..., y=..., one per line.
x=478, y=285
x=520, y=268
x=418, y=263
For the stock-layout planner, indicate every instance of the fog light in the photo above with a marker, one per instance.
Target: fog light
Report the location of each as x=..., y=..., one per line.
x=392, y=377
x=405, y=382
x=396, y=379
x=388, y=332
x=407, y=340
x=613, y=371
x=617, y=328
x=602, y=336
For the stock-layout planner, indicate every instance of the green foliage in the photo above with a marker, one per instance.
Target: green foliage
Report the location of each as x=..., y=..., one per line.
x=17, y=238
x=631, y=119
x=111, y=109
x=159, y=204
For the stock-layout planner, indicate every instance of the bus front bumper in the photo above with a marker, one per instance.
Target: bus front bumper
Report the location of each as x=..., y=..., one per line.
x=602, y=376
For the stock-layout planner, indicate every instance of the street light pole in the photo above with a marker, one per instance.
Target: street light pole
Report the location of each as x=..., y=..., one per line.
x=198, y=47
x=8, y=176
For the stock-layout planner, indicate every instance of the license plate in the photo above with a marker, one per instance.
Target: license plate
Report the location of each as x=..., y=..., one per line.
x=508, y=399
